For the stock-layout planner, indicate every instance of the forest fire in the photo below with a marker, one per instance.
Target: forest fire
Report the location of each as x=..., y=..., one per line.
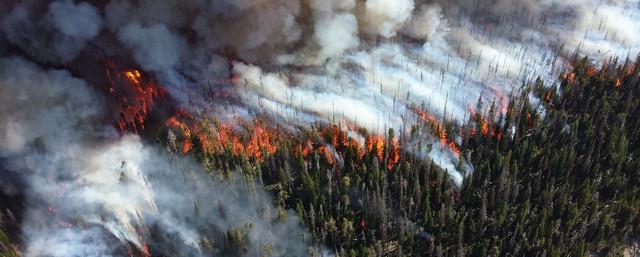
x=547, y=97
x=454, y=148
x=133, y=95
x=261, y=140
x=629, y=69
x=375, y=144
x=623, y=72
x=443, y=138
x=254, y=139
x=318, y=128
x=340, y=142
x=306, y=148
x=338, y=137
x=143, y=251
x=569, y=76
x=503, y=100
x=133, y=76
x=440, y=130
x=186, y=144
x=146, y=251
x=449, y=144
x=591, y=71
x=484, y=126
x=324, y=150
x=394, y=153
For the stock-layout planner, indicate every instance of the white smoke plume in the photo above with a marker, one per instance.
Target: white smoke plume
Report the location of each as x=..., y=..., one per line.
x=366, y=63
x=386, y=17
x=426, y=23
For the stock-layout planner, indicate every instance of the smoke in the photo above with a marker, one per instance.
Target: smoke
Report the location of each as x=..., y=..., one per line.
x=426, y=23
x=385, y=17
x=361, y=63
x=56, y=33
x=335, y=34
x=67, y=16
x=89, y=188
x=154, y=47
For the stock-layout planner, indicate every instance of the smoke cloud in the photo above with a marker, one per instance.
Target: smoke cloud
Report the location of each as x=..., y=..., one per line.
x=154, y=46
x=426, y=23
x=385, y=17
x=89, y=188
x=55, y=33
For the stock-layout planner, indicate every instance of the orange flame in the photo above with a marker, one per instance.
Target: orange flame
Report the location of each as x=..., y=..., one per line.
x=133, y=76
x=503, y=100
x=630, y=69
x=357, y=146
x=327, y=154
x=187, y=144
x=394, y=153
x=334, y=135
x=261, y=141
x=445, y=141
x=591, y=71
x=424, y=116
x=134, y=96
x=443, y=138
x=375, y=144
x=547, y=97
x=308, y=148
x=454, y=148
x=256, y=141
x=569, y=76
x=146, y=252
x=485, y=127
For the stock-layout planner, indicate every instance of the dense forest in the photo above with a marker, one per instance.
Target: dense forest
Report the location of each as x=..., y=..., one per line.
x=555, y=174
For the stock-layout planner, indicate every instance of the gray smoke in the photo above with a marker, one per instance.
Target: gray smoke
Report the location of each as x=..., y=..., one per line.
x=56, y=33
x=153, y=46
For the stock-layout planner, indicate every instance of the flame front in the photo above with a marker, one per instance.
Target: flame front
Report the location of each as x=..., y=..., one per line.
x=133, y=96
